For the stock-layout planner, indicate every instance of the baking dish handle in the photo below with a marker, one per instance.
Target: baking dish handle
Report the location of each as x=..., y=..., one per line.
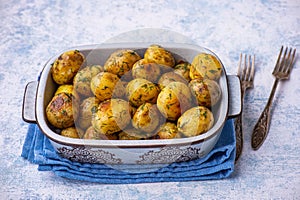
x=28, y=110
x=235, y=98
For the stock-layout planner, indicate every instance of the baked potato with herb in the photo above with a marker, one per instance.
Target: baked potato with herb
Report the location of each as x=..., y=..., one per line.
x=170, y=77
x=205, y=66
x=103, y=85
x=158, y=54
x=59, y=111
x=82, y=80
x=146, y=118
x=168, y=130
x=206, y=91
x=112, y=116
x=145, y=70
x=139, y=91
x=174, y=100
x=121, y=61
x=66, y=66
x=195, y=121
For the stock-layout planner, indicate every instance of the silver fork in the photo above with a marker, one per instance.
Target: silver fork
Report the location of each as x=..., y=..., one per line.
x=281, y=71
x=246, y=75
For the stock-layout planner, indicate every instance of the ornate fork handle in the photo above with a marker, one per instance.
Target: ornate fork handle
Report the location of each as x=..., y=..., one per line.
x=262, y=126
x=239, y=136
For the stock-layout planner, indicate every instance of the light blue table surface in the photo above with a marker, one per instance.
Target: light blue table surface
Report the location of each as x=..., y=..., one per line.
x=32, y=31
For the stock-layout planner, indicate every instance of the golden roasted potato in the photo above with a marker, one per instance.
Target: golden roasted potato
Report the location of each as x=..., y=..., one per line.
x=159, y=55
x=121, y=61
x=70, y=132
x=206, y=91
x=112, y=116
x=139, y=91
x=170, y=77
x=168, y=130
x=87, y=109
x=205, y=66
x=103, y=85
x=146, y=118
x=91, y=133
x=174, y=100
x=66, y=66
x=59, y=111
x=132, y=134
x=183, y=69
x=148, y=71
x=82, y=80
x=195, y=121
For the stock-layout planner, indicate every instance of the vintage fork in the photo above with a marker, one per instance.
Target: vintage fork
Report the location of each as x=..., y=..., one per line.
x=281, y=71
x=246, y=75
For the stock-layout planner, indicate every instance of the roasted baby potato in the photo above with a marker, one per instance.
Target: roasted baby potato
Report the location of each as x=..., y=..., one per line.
x=195, y=121
x=148, y=71
x=139, y=91
x=206, y=91
x=205, y=66
x=112, y=116
x=174, y=100
x=159, y=55
x=132, y=134
x=70, y=132
x=91, y=133
x=121, y=61
x=87, y=109
x=183, y=69
x=66, y=66
x=103, y=85
x=168, y=130
x=170, y=77
x=146, y=118
x=60, y=111
x=82, y=80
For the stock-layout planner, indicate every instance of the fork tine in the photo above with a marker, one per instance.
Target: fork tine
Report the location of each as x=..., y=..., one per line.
x=248, y=68
x=277, y=66
x=290, y=65
x=252, y=68
x=239, y=67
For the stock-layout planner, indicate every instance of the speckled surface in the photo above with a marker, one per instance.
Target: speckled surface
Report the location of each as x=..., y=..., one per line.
x=32, y=31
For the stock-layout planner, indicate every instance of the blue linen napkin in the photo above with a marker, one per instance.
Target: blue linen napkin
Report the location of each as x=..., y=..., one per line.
x=218, y=164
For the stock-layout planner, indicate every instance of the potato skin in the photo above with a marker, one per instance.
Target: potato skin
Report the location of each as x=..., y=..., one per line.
x=121, y=61
x=59, y=111
x=157, y=54
x=195, y=121
x=146, y=118
x=170, y=77
x=112, y=116
x=183, y=69
x=82, y=80
x=206, y=91
x=92, y=134
x=168, y=130
x=87, y=109
x=66, y=66
x=205, y=66
x=174, y=100
x=145, y=70
x=139, y=91
x=132, y=134
x=103, y=85
x=70, y=132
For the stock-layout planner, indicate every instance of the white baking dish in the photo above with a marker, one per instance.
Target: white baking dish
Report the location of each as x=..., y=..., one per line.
x=39, y=93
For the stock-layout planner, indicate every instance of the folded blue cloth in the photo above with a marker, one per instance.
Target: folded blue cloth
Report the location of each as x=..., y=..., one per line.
x=218, y=164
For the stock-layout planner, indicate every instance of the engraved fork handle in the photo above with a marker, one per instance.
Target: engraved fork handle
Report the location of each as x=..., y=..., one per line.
x=261, y=128
x=239, y=130
x=239, y=136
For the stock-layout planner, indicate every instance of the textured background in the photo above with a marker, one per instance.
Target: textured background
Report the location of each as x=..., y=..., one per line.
x=32, y=31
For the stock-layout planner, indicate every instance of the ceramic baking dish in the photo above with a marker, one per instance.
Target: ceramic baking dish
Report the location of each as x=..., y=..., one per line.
x=39, y=93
